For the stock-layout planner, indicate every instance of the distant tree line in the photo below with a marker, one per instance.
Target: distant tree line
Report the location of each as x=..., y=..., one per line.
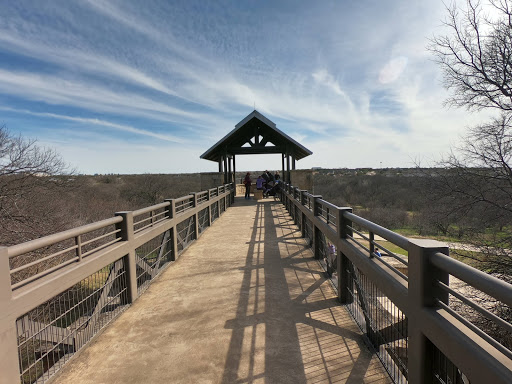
x=41, y=195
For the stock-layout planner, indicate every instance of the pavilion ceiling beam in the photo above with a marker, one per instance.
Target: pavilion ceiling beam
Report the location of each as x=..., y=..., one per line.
x=255, y=150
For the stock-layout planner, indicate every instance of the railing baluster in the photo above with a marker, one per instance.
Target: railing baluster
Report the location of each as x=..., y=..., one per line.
x=371, y=244
x=78, y=242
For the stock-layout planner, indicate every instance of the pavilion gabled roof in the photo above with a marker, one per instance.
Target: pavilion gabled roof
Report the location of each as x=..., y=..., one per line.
x=255, y=134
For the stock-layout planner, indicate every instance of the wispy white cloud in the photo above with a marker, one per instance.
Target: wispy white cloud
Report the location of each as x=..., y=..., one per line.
x=99, y=122
x=314, y=69
x=392, y=70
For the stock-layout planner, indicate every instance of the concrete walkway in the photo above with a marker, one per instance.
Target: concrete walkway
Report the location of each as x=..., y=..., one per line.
x=246, y=303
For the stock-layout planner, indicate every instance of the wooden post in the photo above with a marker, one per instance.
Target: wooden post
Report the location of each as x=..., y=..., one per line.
x=342, y=262
x=130, y=264
x=230, y=177
x=196, y=217
x=209, y=209
x=9, y=365
x=218, y=202
x=316, y=231
x=174, y=230
x=423, y=292
x=303, y=218
x=234, y=177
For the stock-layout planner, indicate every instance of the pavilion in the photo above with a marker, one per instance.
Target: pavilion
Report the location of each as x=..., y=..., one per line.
x=255, y=135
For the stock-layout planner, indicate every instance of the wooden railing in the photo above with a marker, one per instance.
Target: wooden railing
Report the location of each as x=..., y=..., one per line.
x=408, y=303
x=58, y=292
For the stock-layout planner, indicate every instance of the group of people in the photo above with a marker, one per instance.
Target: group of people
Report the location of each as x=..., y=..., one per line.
x=266, y=182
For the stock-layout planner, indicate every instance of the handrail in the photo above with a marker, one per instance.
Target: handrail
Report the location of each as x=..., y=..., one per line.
x=491, y=285
x=395, y=238
x=25, y=287
x=420, y=295
x=141, y=211
x=183, y=198
x=328, y=204
x=29, y=246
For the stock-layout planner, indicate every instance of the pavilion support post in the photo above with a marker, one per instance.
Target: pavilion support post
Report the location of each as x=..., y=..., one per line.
x=220, y=165
x=230, y=178
x=283, y=175
x=234, y=175
x=288, y=168
x=225, y=169
x=293, y=163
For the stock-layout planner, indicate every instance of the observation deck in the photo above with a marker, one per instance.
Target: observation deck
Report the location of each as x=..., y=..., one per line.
x=247, y=303
x=210, y=288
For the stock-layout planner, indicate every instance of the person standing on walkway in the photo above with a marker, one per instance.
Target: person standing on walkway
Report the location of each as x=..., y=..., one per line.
x=259, y=183
x=247, y=182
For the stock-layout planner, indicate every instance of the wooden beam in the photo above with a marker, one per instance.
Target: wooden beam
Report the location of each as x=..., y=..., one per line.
x=254, y=150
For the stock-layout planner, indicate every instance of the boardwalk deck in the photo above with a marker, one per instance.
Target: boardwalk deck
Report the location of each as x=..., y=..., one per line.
x=246, y=303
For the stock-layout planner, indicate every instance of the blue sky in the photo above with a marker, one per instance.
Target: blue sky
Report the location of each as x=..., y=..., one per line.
x=134, y=87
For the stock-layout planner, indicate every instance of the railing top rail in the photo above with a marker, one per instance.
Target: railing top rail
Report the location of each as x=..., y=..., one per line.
x=29, y=246
x=310, y=195
x=395, y=238
x=184, y=198
x=151, y=208
x=328, y=204
x=488, y=284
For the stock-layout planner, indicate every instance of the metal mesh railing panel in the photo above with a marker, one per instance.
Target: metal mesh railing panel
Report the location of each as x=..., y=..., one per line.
x=382, y=322
x=328, y=257
x=444, y=371
x=215, y=212
x=203, y=217
x=308, y=231
x=51, y=333
x=151, y=257
x=186, y=233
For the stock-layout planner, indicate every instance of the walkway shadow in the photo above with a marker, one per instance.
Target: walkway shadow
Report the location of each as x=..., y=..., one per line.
x=289, y=327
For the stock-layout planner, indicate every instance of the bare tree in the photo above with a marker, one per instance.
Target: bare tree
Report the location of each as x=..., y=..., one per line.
x=30, y=177
x=474, y=190
x=476, y=58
